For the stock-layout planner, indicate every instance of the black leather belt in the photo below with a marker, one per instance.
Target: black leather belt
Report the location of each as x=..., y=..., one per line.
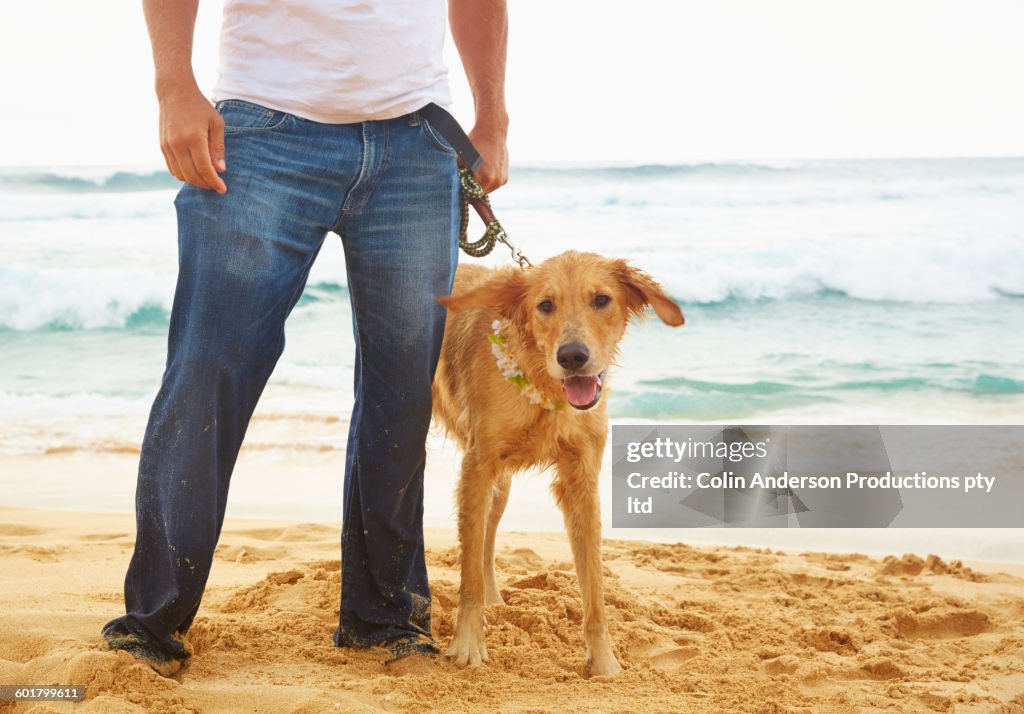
x=449, y=128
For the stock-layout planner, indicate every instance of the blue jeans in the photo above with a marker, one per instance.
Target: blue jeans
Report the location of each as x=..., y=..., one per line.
x=389, y=189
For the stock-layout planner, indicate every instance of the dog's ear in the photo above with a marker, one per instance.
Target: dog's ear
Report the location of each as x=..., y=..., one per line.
x=504, y=292
x=642, y=290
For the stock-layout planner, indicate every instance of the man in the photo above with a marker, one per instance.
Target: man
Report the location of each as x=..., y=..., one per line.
x=315, y=129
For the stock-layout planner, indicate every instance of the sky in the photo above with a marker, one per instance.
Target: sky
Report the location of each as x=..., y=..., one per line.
x=595, y=81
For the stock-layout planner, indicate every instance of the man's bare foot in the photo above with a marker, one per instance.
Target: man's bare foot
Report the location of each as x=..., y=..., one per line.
x=411, y=664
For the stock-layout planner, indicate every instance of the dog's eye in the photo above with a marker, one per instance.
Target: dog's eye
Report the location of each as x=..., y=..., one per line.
x=547, y=307
x=601, y=300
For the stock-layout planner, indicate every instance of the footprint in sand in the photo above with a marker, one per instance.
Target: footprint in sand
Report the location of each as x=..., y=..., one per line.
x=36, y=553
x=667, y=658
x=98, y=537
x=827, y=639
x=777, y=666
x=879, y=668
x=941, y=623
x=21, y=647
x=256, y=533
x=524, y=558
x=551, y=580
x=249, y=553
x=299, y=533
x=16, y=529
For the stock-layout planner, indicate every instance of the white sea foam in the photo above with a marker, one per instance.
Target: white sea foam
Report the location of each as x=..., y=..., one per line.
x=68, y=298
x=90, y=248
x=15, y=406
x=911, y=271
x=19, y=206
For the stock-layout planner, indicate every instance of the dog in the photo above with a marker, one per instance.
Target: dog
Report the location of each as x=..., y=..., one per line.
x=520, y=383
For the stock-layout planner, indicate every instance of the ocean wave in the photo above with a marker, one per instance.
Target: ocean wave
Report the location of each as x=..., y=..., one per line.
x=697, y=385
x=981, y=384
x=111, y=180
x=27, y=406
x=805, y=194
x=34, y=299
x=706, y=405
x=994, y=384
x=647, y=172
x=911, y=270
x=665, y=193
x=87, y=181
x=986, y=170
x=684, y=398
x=16, y=207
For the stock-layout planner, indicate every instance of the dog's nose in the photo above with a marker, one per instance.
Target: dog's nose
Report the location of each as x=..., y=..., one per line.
x=573, y=355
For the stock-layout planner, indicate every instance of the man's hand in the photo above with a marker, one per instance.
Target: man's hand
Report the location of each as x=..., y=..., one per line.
x=490, y=142
x=191, y=130
x=192, y=138
x=480, y=31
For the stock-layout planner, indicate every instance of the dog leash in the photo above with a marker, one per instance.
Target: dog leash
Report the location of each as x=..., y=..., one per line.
x=472, y=193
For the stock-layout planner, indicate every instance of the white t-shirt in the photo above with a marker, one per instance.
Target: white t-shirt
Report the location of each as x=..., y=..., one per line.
x=334, y=61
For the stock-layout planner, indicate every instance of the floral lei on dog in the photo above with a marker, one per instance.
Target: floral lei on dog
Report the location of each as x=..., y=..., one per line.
x=514, y=375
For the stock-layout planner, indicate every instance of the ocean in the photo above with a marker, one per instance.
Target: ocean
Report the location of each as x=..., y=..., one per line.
x=843, y=292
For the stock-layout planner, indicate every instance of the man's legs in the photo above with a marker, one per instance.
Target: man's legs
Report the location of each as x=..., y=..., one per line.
x=243, y=260
x=399, y=227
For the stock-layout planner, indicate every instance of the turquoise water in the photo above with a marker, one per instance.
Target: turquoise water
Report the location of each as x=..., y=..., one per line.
x=844, y=291
x=831, y=356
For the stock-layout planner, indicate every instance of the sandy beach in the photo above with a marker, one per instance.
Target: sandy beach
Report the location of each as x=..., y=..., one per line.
x=727, y=623
x=835, y=325
x=833, y=193
x=697, y=628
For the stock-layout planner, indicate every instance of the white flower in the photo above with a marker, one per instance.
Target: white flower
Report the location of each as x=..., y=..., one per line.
x=511, y=372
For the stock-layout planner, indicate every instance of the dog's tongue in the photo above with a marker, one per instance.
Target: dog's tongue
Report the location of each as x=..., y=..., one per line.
x=580, y=390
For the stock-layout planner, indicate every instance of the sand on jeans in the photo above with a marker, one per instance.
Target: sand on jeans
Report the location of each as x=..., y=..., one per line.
x=708, y=629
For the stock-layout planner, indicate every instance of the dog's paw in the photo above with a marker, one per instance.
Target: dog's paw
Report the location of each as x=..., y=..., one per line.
x=604, y=664
x=468, y=646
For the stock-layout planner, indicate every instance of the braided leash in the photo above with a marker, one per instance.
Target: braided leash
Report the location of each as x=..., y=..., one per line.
x=493, y=232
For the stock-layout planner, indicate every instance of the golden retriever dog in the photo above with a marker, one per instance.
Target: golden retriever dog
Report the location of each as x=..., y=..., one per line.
x=520, y=384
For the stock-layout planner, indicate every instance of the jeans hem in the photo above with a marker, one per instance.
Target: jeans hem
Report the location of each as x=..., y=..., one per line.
x=402, y=649
x=120, y=635
x=396, y=647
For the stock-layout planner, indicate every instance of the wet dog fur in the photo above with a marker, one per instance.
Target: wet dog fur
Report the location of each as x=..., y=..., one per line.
x=563, y=320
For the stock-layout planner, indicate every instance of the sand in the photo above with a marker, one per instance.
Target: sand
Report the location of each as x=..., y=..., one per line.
x=708, y=629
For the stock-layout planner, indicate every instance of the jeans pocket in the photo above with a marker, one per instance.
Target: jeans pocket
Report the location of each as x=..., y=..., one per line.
x=240, y=115
x=436, y=140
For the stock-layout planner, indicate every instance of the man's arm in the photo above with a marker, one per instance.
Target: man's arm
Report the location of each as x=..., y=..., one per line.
x=480, y=31
x=191, y=130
